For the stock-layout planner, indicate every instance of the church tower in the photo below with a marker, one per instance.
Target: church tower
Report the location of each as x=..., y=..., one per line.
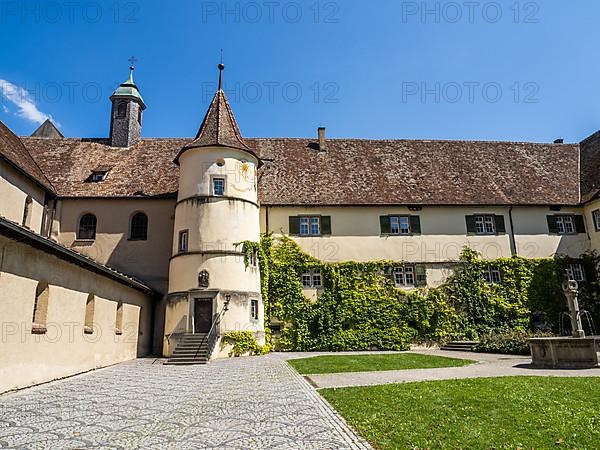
x=126, y=116
x=211, y=289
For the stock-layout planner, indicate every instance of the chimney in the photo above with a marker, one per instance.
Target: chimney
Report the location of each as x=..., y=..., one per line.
x=322, y=137
x=559, y=141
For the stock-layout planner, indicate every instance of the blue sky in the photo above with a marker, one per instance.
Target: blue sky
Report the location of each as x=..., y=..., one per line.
x=387, y=69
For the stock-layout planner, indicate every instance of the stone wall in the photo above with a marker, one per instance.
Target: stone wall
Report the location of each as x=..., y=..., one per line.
x=29, y=355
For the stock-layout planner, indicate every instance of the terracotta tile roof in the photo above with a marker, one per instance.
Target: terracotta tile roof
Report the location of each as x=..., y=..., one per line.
x=590, y=167
x=420, y=172
x=356, y=172
x=12, y=149
x=145, y=169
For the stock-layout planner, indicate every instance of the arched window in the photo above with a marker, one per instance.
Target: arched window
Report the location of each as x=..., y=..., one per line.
x=90, y=305
x=87, y=227
x=119, y=319
x=40, y=308
x=122, y=110
x=27, y=212
x=138, y=228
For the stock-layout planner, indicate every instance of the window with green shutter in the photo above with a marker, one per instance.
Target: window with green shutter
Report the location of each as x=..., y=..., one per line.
x=565, y=224
x=421, y=275
x=310, y=225
x=397, y=225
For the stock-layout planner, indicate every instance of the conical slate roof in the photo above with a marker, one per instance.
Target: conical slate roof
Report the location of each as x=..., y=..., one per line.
x=219, y=127
x=129, y=89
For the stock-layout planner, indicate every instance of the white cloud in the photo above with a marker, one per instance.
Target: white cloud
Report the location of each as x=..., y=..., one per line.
x=5, y=108
x=26, y=107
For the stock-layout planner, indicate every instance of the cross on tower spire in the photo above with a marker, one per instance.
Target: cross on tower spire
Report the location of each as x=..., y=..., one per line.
x=132, y=62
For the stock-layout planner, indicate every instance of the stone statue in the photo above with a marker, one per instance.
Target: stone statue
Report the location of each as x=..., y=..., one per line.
x=570, y=288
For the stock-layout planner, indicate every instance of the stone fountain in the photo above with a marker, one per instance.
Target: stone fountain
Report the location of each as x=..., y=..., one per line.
x=575, y=352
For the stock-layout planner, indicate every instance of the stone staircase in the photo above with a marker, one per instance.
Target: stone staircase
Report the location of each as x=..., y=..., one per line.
x=460, y=346
x=192, y=349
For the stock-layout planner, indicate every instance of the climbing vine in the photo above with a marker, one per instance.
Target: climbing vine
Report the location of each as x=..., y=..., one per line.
x=361, y=308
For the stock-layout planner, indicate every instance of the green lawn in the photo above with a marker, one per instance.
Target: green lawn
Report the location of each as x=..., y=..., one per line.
x=370, y=363
x=485, y=413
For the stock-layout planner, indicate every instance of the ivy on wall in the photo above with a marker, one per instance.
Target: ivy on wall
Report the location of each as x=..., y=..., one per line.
x=361, y=308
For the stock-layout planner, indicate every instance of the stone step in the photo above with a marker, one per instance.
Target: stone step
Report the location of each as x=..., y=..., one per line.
x=191, y=362
x=189, y=354
x=193, y=340
x=460, y=346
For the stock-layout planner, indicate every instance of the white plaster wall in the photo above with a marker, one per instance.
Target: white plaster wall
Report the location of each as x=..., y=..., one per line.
x=356, y=234
x=145, y=260
x=14, y=189
x=198, y=165
x=27, y=359
x=216, y=226
x=594, y=235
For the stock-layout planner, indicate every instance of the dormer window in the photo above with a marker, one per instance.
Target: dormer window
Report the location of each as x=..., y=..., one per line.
x=99, y=175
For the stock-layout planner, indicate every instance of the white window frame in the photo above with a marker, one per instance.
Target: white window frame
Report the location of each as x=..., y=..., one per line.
x=405, y=277
x=400, y=225
x=308, y=225
x=312, y=279
x=485, y=225
x=576, y=272
x=254, y=259
x=596, y=218
x=98, y=176
x=214, y=190
x=565, y=224
x=184, y=238
x=254, y=309
x=492, y=275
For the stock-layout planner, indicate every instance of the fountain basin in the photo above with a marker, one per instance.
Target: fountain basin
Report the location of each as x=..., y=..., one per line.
x=565, y=352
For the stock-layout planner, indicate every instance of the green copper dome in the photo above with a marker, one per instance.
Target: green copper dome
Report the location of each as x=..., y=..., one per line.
x=129, y=89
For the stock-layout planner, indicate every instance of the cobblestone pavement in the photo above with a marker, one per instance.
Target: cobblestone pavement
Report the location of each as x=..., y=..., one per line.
x=487, y=366
x=242, y=403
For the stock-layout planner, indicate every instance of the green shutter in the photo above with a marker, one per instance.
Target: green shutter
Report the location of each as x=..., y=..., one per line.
x=552, y=226
x=471, y=227
x=591, y=271
x=579, y=224
x=325, y=225
x=415, y=224
x=294, y=225
x=421, y=276
x=384, y=221
x=500, y=226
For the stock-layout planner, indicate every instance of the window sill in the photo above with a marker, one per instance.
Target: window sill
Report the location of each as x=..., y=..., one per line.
x=137, y=240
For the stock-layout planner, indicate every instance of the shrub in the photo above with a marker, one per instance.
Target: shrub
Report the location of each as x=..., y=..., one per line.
x=244, y=342
x=514, y=342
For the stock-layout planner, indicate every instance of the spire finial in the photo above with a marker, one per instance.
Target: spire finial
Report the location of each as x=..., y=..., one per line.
x=221, y=68
x=132, y=62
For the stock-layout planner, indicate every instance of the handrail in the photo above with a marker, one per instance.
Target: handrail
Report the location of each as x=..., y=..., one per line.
x=210, y=336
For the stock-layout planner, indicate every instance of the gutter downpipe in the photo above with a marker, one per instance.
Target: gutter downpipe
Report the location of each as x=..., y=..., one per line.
x=513, y=242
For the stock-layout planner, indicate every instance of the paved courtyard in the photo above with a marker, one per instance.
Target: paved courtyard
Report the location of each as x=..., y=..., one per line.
x=249, y=403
